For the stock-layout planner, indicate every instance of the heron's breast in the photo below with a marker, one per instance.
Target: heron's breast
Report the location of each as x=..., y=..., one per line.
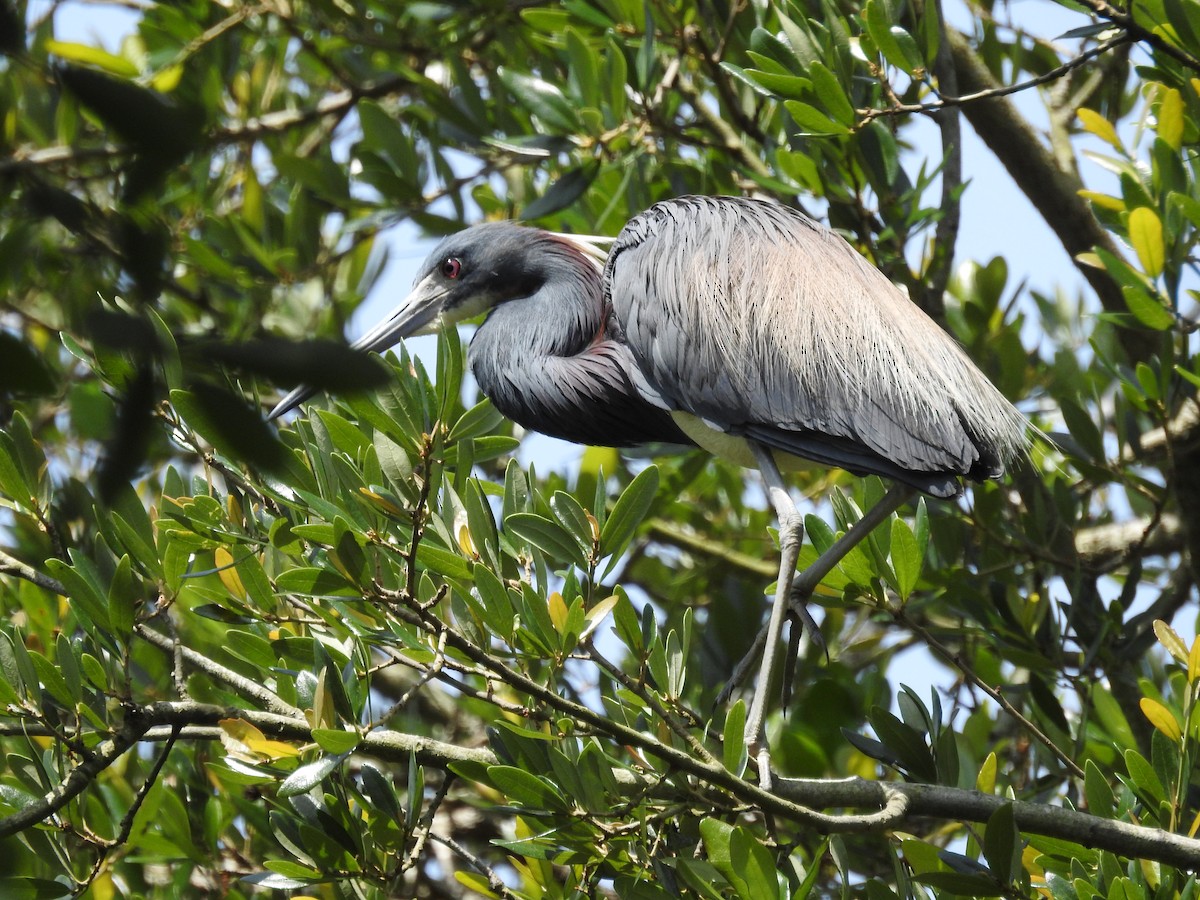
x=730, y=447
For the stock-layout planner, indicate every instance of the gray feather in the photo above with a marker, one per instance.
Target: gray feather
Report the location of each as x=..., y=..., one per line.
x=754, y=317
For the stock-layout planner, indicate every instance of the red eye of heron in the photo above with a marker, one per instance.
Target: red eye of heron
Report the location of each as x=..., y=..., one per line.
x=452, y=267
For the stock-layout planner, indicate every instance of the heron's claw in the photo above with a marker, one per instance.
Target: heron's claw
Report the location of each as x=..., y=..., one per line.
x=801, y=621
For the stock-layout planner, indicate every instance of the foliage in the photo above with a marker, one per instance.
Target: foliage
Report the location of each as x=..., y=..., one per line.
x=372, y=655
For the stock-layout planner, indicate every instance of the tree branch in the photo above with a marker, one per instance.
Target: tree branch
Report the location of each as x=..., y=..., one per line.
x=244, y=687
x=1053, y=192
x=1121, y=838
x=1125, y=21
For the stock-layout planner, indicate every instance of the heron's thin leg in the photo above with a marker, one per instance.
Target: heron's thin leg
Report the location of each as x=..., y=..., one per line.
x=804, y=583
x=791, y=533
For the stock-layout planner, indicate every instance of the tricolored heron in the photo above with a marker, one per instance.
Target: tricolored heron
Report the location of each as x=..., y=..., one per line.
x=739, y=325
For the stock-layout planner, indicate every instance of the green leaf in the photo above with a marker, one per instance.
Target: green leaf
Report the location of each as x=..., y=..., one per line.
x=542, y=99
x=87, y=599
x=829, y=90
x=233, y=428
x=741, y=858
x=906, y=743
x=23, y=371
x=1097, y=791
x=253, y=648
x=51, y=678
x=956, y=883
x=1083, y=428
x=906, y=558
x=734, y=749
x=380, y=791
x=314, y=582
x=307, y=777
x=335, y=740
x=527, y=788
x=146, y=119
x=1147, y=308
x=628, y=512
x=546, y=535
x=896, y=45
x=1144, y=778
x=1002, y=844
x=92, y=56
x=568, y=188
x=812, y=120
x=323, y=365
x=25, y=888
x=574, y=519
x=480, y=419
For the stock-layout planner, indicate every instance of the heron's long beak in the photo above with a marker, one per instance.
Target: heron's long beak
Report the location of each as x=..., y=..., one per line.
x=418, y=314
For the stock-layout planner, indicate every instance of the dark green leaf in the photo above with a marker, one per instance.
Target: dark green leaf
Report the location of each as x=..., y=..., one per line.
x=628, y=512
x=734, y=749
x=320, y=364
x=23, y=371
x=233, y=428
x=307, y=777
x=527, y=788
x=569, y=187
x=1002, y=844
x=547, y=536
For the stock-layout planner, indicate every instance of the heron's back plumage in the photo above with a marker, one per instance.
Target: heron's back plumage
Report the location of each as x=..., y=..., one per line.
x=764, y=323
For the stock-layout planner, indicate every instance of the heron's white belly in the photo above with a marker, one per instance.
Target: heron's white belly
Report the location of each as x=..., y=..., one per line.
x=728, y=446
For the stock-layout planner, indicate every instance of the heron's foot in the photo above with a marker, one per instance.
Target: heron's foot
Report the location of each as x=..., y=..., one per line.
x=742, y=670
x=802, y=621
x=765, y=778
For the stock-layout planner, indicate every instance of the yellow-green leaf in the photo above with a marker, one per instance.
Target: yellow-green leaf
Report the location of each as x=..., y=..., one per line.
x=228, y=574
x=1161, y=718
x=167, y=80
x=597, y=614
x=1104, y=201
x=558, y=611
x=985, y=782
x=1147, y=309
x=1146, y=236
x=1170, y=118
x=1096, y=124
x=1193, y=662
x=92, y=56
x=1169, y=638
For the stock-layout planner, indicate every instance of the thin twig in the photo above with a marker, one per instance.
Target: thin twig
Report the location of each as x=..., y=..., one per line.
x=1125, y=20
x=943, y=102
x=241, y=685
x=10, y=565
x=956, y=660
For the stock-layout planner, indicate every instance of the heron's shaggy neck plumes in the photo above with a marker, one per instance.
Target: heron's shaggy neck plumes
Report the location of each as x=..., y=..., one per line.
x=546, y=360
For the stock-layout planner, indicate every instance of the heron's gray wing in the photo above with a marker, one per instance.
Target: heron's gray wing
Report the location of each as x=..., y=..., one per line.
x=763, y=323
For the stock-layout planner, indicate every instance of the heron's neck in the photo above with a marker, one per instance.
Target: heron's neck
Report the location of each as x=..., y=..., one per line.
x=563, y=316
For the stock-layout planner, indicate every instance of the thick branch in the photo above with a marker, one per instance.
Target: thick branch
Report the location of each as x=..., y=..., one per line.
x=890, y=804
x=1130, y=841
x=1053, y=192
x=1104, y=547
x=77, y=780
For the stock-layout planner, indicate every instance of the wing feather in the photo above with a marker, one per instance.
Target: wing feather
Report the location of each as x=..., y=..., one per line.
x=758, y=319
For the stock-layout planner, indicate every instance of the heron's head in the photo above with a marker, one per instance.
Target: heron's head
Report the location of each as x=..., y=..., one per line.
x=471, y=272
